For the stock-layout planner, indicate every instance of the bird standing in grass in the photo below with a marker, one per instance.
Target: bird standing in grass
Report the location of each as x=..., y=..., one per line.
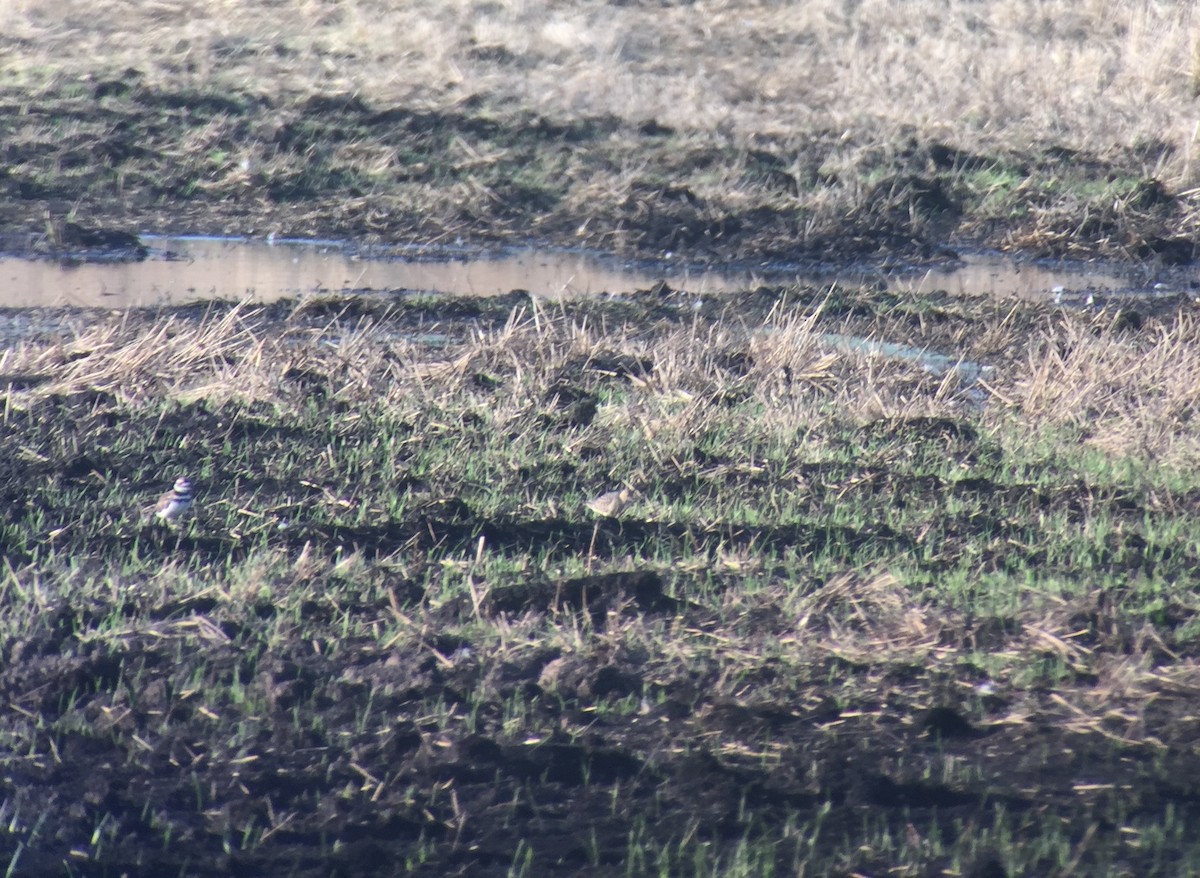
x=172, y=505
x=607, y=505
x=612, y=503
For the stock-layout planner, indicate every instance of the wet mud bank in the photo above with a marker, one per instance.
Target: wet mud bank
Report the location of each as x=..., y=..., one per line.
x=125, y=156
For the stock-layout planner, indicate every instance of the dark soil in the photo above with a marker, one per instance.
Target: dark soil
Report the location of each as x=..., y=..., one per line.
x=343, y=756
x=123, y=165
x=400, y=792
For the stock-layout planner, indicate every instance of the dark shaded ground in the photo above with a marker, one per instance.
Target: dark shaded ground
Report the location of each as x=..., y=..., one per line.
x=121, y=156
x=346, y=770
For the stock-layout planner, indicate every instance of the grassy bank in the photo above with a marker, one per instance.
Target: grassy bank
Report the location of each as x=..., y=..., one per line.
x=857, y=616
x=711, y=129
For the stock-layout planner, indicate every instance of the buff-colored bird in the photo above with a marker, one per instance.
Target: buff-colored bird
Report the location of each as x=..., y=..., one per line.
x=612, y=503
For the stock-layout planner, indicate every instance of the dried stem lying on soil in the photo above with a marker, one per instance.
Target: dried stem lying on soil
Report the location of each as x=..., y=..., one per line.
x=856, y=613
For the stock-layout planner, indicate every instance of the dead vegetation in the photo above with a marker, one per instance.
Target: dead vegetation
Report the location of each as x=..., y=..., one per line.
x=868, y=73
x=715, y=130
x=1130, y=392
x=848, y=599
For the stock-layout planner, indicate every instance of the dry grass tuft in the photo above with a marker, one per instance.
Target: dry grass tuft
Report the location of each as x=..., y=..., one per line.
x=866, y=619
x=126, y=357
x=1134, y=394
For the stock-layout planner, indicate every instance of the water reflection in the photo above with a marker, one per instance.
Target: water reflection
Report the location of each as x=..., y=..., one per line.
x=182, y=270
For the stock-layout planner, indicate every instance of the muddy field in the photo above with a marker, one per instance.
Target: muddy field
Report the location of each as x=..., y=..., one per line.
x=87, y=165
x=900, y=585
x=713, y=130
x=858, y=619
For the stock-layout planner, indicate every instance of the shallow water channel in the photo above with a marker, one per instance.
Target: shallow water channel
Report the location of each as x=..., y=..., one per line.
x=188, y=269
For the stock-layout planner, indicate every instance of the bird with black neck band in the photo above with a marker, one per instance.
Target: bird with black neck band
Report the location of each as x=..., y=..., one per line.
x=172, y=505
